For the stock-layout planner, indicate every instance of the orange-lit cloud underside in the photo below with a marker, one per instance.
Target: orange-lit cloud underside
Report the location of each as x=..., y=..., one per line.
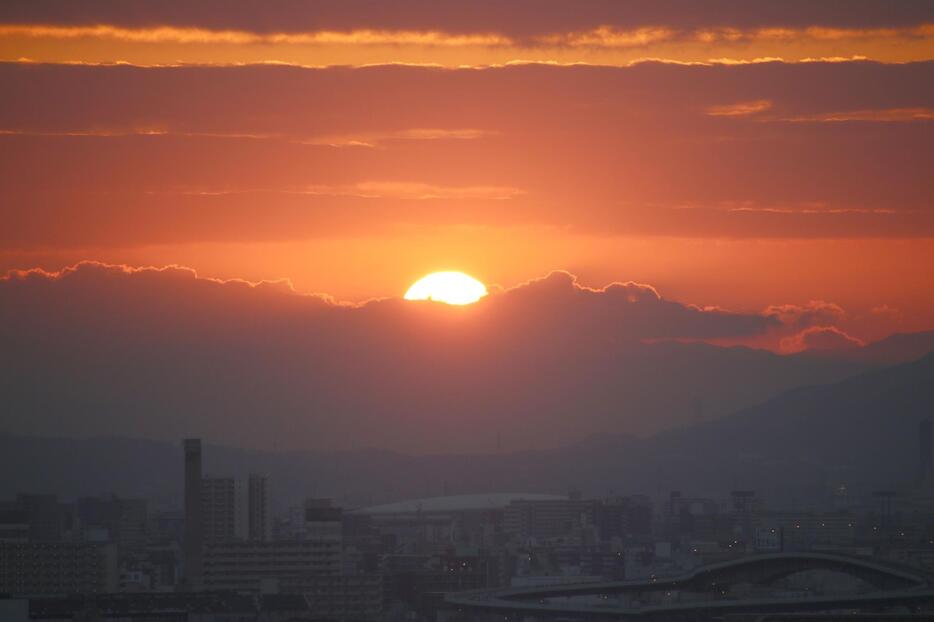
x=602, y=45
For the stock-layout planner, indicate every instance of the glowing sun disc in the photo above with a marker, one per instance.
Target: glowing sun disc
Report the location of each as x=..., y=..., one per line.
x=454, y=288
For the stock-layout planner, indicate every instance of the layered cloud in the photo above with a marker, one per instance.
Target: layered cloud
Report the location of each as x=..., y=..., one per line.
x=101, y=349
x=461, y=33
x=519, y=19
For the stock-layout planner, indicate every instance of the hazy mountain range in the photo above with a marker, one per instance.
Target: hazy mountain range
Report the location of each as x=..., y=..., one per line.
x=861, y=431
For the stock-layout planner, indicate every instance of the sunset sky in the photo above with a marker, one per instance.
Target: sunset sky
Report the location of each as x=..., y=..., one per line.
x=760, y=160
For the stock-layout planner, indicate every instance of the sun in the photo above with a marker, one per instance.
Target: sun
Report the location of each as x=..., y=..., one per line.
x=453, y=288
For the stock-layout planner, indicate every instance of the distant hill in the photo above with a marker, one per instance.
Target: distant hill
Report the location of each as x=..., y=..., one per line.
x=897, y=348
x=496, y=394
x=861, y=431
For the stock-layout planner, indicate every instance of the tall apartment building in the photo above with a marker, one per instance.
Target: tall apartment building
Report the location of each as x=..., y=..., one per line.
x=926, y=453
x=259, y=528
x=223, y=509
x=233, y=509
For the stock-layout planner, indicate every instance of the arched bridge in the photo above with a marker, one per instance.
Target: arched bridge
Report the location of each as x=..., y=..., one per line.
x=886, y=584
x=754, y=569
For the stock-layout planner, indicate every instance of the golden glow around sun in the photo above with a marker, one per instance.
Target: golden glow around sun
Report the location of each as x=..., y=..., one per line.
x=454, y=288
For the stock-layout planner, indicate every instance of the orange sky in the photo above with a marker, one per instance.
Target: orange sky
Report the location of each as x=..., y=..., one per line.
x=755, y=160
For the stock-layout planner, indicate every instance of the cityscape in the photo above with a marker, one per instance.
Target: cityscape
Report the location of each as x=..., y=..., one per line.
x=226, y=553
x=466, y=311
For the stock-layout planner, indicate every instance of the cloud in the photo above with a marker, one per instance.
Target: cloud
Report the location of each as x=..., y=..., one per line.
x=374, y=139
x=814, y=313
x=820, y=339
x=642, y=312
x=886, y=311
x=164, y=352
x=740, y=109
x=404, y=191
x=416, y=191
x=520, y=19
x=168, y=34
x=365, y=41
x=106, y=170
x=355, y=140
x=92, y=270
x=890, y=115
x=608, y=37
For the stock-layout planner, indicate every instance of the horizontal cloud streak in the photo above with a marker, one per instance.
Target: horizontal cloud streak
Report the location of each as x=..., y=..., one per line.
x=600, y=45
x=165, y=34
x=359, y=140
x=890, y=115
x=109, y=169
x=740, y=109
x=518, y=19
x=408, y=190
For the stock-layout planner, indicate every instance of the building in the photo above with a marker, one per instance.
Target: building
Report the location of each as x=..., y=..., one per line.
x=622, y=517
x=420, y=582
x=14, y=524
x=744, y=506
x=178, y=607
x=926, y=464
x=45, y=516
x=697, y=518
x=259, y=519
x=224, y=509
x=194, y=540
x=803, y=531
x=37, y=568
x=340, y=597
x=123, y=520
x=543, y=519
x=323, y=521
x=263, y=565
x=234, y=509
x=266, y=566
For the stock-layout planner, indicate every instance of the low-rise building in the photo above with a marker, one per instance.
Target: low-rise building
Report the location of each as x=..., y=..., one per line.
x=57, y=568
x=255, y=566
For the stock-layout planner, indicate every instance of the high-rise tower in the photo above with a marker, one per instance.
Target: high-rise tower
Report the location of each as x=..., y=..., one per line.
x=193, y=525
x=927, y=460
